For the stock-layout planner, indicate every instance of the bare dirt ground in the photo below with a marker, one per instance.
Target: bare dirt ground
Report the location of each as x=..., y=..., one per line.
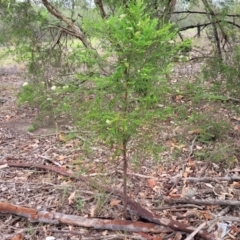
x=47, y=182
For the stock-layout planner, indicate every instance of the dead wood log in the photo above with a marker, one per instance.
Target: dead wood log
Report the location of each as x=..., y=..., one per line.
x=134, y=206
x=56, y=218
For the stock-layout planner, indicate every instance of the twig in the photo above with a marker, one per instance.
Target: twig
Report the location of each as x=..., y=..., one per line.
x=51, y=161
x=199, y=228
x=203, y=202
x=178, y=206
x=229, y=218
x=192, y=146
x=213, y=179
x=98, y=174
x=95, y=237
x=96, y=223
x=216, y=219
x=138, y=175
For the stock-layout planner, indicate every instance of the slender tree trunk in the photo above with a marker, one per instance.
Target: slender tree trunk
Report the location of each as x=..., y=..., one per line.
x=168, y=9
x=213, y=19
x=125, y=167
x=99, y=3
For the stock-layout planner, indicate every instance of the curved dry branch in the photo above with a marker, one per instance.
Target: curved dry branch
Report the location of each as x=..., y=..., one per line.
x=135, y=207
x=205, y=13
x=75, y=31
x=207, y=24
x=96, y=223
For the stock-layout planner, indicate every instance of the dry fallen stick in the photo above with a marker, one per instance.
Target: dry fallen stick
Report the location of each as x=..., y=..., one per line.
x=203, y=202
x=50, y=160
x=178, y=206
x=96, y=223
x=138, y=175
x=213, y=222
x=98, y=174
x=192, y=147
x=212, y=179
x=229, y=218
x=135, y=207
x=200, y=227
x=97, y=236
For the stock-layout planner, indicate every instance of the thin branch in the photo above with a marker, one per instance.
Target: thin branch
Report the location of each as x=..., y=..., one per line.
x=96, y=223
x=216, y=219
x=75, y=29
x=207, y=24
x=214, y=179
x=205, y=13
x=206, y=202
x=199, y=228
x=195, y=26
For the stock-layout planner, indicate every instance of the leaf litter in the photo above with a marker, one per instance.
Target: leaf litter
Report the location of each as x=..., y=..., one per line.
x=185, y=185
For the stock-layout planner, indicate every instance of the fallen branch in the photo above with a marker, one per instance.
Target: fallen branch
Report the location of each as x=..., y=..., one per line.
x=213, y=222
x=96, y=236
x=213, y=179
x=203, y=202
x=135, y=207
x=96, y=223
x=178, y=206
x=200, y=227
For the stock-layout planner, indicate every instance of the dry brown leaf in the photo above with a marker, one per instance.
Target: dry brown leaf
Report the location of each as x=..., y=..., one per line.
x=185, y=174
x=175, y=195
x=69, y=145
x=61, y=138
x=3, y=166
x=156, y=189
x=170, y=143
x=105, y=233
x=235, y=170
x=207, y=216
x=179, y=97
x=209, y=185
x=17, y=237
x=114, y=202
x=196, y=131
x=236, y=128
x=198, y=147
x=141, y=194
x=178, y=236
x=8, y=117
x=174, y=190
x=71, y=197
x=184, y=191
x=71, y=228
x=44, y=230
x=234, y=161
x=235, y=118
x=235, y=229
x=160, y=169
x=61, y=158
x=235, y=185
x=93, y=211
x=146, y=236
x=151, y=182
x=191, y=163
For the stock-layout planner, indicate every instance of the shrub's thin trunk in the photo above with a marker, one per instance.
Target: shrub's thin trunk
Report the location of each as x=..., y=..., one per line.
x=125, y=167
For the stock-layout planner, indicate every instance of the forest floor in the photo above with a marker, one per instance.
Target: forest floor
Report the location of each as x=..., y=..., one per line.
x=195, y=181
